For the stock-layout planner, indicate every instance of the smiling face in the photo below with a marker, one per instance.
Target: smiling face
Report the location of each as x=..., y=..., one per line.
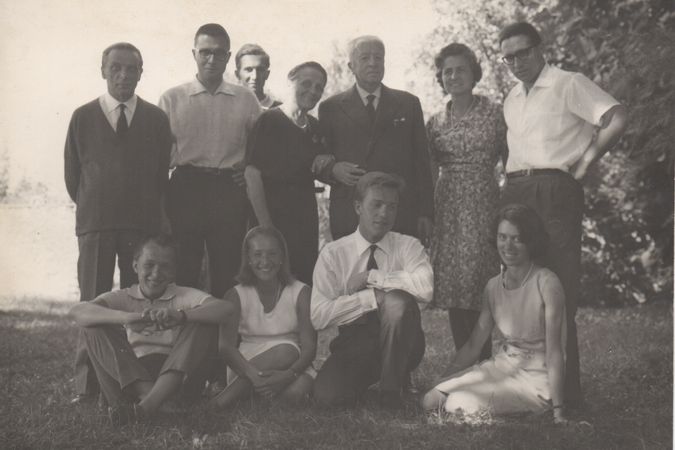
x=156, y=269
x=367, y=64
x=122, y=71
x=511, y=248
x=527, y=58
x=457, y=75
x=265, y=256
x=377, y=212
x=253, y=73
x=308, y=86
x=211, y=54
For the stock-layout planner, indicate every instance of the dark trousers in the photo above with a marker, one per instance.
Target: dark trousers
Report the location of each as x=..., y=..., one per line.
x=95, y=271
x=117, y=367
x=462, y=322
x=386, y=346
x=559, y=201
x=207, y=209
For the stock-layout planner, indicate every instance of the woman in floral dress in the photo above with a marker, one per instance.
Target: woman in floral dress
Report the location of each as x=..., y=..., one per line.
x=466, y=142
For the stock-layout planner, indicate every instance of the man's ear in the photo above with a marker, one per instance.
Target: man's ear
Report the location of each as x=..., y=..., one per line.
x=134, y=264
x=357, y=207
x=349, y=64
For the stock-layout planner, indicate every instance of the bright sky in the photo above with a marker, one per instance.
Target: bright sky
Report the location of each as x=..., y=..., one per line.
x=50, y=54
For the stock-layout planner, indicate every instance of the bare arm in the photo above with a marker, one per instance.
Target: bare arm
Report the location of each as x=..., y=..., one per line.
x=469, y=353
x=89, y=314
x=554, y=314
x=612, y=126
x=256, y=194
x=307, y=332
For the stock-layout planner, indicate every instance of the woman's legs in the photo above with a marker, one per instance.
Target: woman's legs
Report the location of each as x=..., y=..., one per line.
x=279, y=357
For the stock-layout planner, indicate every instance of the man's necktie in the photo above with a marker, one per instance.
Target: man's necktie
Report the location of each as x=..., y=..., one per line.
x=370, y=108
x=372, y=264
x=122, y=125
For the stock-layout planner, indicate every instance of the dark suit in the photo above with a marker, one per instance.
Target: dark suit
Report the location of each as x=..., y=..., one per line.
x=396, y=143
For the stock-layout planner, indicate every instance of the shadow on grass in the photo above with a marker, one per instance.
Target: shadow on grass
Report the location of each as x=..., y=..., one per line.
x=626, y=374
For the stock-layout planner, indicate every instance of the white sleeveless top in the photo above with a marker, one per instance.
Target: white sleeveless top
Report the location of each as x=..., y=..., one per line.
x=257, y=326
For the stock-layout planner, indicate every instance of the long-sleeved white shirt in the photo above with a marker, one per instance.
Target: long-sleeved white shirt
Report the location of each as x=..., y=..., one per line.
x=402, y=264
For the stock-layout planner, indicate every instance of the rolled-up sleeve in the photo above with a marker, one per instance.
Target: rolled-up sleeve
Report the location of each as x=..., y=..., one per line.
x=331, y=306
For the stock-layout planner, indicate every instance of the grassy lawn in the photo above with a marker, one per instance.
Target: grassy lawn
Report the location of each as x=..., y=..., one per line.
x=627, y=377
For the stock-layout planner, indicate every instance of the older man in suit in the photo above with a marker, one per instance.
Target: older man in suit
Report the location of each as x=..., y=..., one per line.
x=372, y=127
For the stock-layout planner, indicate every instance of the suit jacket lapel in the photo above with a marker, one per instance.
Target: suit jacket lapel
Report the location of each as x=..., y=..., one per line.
x=354, y=108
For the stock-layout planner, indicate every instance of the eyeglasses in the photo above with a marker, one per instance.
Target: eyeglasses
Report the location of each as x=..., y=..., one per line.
x=520, y=55
x=217, y=53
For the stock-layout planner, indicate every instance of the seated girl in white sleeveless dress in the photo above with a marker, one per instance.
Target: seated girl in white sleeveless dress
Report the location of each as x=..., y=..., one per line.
x=278, y=341
x=527, y=304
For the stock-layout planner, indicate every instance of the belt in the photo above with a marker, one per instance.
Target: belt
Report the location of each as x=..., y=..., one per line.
x=532, y=172
x=214, y=171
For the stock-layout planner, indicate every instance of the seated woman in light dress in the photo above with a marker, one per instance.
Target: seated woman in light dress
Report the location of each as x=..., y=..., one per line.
x=527, y=304
x=278, y=341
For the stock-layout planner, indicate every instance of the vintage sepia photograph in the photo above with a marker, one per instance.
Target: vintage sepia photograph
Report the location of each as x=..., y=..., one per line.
x=337, y=224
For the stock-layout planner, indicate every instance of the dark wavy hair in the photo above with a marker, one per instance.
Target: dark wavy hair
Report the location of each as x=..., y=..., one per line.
x=378, y=179
x=520, y=29
x=246, y=275
x=293, y=73
x=457, y=49
x=530, y=226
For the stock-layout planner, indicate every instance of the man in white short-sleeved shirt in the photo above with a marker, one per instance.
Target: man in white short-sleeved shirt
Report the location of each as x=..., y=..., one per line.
x=171, y=332
x=368, y=284
x=559, y=124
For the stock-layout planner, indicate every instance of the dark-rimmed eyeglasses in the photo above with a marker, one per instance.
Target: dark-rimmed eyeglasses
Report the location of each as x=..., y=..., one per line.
x=520, y=55
x=217, y=53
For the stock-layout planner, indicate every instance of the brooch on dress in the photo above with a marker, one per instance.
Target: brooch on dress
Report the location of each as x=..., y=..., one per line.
x=399, y=121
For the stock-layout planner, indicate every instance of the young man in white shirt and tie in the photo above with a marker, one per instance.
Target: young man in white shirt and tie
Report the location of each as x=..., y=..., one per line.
x=368, y=284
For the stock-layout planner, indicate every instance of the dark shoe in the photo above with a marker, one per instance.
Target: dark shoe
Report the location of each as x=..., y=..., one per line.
x=84, y=399
x=391, y=400
x=124, y=413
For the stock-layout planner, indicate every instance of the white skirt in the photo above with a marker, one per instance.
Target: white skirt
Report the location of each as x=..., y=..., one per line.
x=250, y=350
x=515, y=380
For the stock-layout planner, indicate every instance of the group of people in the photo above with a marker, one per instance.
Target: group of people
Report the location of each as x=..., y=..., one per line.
x=241, y=187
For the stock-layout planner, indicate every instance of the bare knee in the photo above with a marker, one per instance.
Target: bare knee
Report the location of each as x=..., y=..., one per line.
x=433, y=400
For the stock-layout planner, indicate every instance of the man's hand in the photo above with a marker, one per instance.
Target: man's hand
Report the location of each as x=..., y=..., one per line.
x=424, y=230
x=357, y=282
x=580, y=168
x=137, y=322
x=321, y=162
x=165, y=317
x=274, y=381
x=238, y=174
x=347, y=173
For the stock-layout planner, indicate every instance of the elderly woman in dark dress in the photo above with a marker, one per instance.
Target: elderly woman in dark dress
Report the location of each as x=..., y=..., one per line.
x=466, y=141
x=284, y=154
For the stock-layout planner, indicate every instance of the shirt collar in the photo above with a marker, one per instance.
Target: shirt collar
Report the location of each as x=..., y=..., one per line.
x=545, y=79
x=135, y=292
x=364, y=94
x=362, y=244
x=196, y=87
x=266, y=102
x=111, y=103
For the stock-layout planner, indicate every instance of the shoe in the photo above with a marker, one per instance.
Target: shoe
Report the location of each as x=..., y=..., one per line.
x=391, y=400
x=124, y=413
x=84, y=399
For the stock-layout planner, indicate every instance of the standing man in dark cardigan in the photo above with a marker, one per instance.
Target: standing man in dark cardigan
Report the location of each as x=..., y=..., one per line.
x=371, y=127
x=116, y=168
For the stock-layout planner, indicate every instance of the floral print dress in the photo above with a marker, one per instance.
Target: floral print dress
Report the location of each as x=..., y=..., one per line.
x=465, y=199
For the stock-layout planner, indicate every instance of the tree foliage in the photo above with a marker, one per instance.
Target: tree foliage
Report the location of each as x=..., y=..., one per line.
x=628, y=48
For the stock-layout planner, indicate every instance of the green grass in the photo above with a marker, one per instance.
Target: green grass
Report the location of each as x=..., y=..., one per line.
x=627, y=377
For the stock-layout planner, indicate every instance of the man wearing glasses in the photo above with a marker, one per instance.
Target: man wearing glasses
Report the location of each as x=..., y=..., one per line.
x=210, y=121
x=559, y=124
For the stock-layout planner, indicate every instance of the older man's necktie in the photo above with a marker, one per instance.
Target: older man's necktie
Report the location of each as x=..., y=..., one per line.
x=370, y=108
x=372, y=264
x=122, y=126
